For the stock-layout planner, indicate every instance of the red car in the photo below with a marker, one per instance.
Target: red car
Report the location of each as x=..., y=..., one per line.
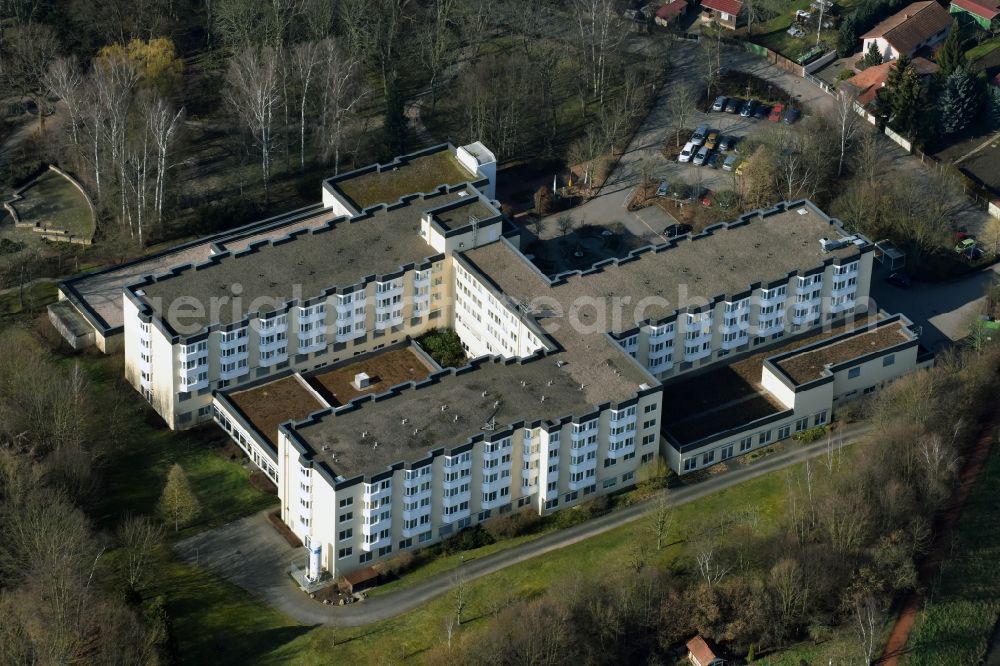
x=776, y=113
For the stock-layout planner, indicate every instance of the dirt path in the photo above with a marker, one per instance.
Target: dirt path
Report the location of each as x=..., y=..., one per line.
x=899, y=636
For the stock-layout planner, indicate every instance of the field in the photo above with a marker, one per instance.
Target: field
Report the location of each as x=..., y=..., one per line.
x=964, y=604
x=55, y=203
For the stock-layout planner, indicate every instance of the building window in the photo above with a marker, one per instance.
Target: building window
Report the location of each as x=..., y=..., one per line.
x=690, y=464
x=784, y=431
x=764, y=437
x=746, y=443
x=854, y=372
x=888, y=360
x=820, y=418
x=365, y=558
x=801, y=424
x=344, y=517
x=727, y=452
x=346, y=502
x=344, y=552
x=345, y=534
x=708, y=458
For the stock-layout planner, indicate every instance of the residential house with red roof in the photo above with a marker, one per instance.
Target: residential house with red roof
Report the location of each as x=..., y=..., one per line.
x=669, y=13
x=727, y=13
x=865, y=85
x=981, y=12
x=918, y=25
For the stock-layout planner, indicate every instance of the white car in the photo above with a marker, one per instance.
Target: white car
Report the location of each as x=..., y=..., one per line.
x=687, y=152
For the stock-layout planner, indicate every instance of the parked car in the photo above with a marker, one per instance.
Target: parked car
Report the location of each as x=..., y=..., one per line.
x=965, y=245
x=675, y=230
x=730, y=163
x=776, y=113
x=663, y=189
x=712, y=140
x=901, y=280
x=734, y=105
x=791, y=115
x=720, y=103
x=727, y=142
x=748, y=108
x=698, y=138
x=714, y=161
x=762, y=112
x=687, y=152
x=701, y=156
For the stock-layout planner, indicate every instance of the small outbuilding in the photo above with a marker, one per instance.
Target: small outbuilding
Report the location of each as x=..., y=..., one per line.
x=359, y=579
x=703, y=653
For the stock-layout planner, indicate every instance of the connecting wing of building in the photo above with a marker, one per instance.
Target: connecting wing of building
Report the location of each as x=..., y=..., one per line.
x=295, y=335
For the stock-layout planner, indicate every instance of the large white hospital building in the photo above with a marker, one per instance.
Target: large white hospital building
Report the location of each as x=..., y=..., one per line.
x=295, y=334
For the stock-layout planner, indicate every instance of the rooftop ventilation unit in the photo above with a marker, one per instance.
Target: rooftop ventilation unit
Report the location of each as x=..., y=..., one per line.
x=444, y=408
x=364, y=433
x=829, y=245
x=484, y=394
x=496, y=403
x=361, y=381
x=455, y=420
x=405, y=421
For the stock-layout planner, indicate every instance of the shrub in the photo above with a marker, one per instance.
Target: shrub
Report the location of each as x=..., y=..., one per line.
x=810, y=435
x=513, y=524
x=397, y=566
x=444, y=346
x=19, y=175
x=468, y=539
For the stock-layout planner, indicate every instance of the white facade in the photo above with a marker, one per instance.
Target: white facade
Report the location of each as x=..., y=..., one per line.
x=546, y=467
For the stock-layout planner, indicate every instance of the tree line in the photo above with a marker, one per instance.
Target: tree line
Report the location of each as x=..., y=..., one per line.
x=854, y=526
x=72, y=591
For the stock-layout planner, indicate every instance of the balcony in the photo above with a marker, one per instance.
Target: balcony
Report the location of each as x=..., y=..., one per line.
x=274, y=359
x=621, y=450
x=807, y=288
x=375, y=527
x=193, y=354
x=771, y=297
x=239, y=339
x=551, y=494
x=375, y=545
x=851, y=271
x=582, y=448
x=582, y=466
x=234, y=373
x=421, y=279
x=841, y=307
x=388, y=323
x=501, y=482
x=499, y=501
x=581, y=484
x=693, y=355
x=273, y=344
x=455, y=517
x=843, y=291
x=768, y=326
x=413, y=514
x=189, y=384
x=374, y=493
x=738, y=341
x=455, y=483
x=350, y=335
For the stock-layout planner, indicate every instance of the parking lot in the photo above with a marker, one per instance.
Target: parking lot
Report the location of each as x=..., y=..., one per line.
x=726, y=124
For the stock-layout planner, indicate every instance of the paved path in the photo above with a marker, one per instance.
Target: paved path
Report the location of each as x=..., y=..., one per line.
x=251, y=554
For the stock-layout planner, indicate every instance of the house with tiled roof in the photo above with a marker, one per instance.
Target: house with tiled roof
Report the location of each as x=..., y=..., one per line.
x=700, y=653
x=981, y=12
x=727, y=13
x=864, y=86
x=918, y=25
x=670, y=12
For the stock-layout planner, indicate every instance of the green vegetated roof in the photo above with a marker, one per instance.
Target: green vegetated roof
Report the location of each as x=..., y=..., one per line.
x=419, y=174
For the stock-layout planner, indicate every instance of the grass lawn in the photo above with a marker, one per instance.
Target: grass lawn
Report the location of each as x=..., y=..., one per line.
x=982, y=49
x=134, y=473
x=963, y=605
x=55, y=203
x=213, y=618
x=36, y=297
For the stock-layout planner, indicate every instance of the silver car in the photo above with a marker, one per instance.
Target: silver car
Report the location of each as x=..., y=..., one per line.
x=702, y=155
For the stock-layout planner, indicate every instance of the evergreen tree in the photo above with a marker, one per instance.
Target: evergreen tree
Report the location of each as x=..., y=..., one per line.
x=178, y=504
x=903, y=92
x=872, y=56
x=951, y=55
x=847, y=36
x=394, y=129
x=961, y=100
x=992, y=106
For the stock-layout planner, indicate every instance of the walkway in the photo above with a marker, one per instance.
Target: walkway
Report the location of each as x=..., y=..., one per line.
x=941, y=547
x=251, y=554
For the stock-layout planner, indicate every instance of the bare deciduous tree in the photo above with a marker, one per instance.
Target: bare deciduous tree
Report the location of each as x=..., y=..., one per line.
x=341, y=91
x=64, y=80
x=253, y=93
x=140, y=537
x=600, y=33
x=661, y=519
x=438, y=47
x=681, y=101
